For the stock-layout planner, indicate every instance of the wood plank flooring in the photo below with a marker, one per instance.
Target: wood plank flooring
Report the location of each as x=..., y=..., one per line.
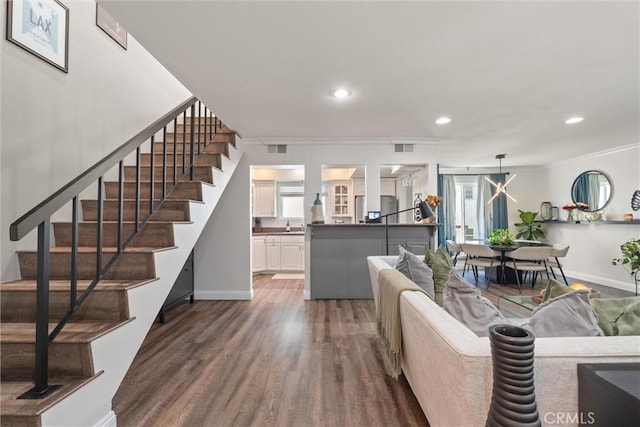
x=274, y=361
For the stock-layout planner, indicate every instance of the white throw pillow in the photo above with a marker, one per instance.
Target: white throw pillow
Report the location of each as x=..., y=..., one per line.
x=467, y=305
x=567, y=315
x=411, y=266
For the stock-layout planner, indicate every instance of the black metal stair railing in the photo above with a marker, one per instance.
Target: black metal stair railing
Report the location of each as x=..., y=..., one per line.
x=40, y=216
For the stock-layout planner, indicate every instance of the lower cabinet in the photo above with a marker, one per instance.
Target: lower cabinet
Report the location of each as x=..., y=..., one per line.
x=278, y=253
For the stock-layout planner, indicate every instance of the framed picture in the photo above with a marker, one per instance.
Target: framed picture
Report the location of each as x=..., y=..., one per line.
x=109, y=25
x=40, y=27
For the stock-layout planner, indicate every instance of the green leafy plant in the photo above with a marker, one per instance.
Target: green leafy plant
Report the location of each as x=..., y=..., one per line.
x=630, y=259
x=501, y=237
x=529, y=228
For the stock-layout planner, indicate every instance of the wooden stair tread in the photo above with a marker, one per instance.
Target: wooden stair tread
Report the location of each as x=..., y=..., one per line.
x=105, y=250
x=63, y=285
x=14, y=407
x=72, y=333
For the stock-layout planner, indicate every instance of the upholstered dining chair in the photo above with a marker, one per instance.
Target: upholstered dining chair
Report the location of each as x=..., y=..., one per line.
x=456, y=248
x=559, y=251
x=479, y=256
x=531, y=259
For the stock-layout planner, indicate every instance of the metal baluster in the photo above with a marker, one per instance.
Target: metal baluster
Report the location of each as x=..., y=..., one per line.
x=175, y=151
x=74, y=253
x=120, y=203
x=99, y=230
x=137, y=215
x=152, y=172
x=184, y=142
x=199, y=128
x=192, y=154
x=164, y=163
x=211, y=125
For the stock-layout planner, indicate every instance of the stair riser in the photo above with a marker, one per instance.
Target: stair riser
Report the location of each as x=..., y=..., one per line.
x=212, y=148
x=202, y=138
x=129, y=266
x=100, y=305
x=151, y=235
x=65, y=359
x=184, y=190
x=202, y=121
x=171, y=210
x=203, y=159
x=201, y=173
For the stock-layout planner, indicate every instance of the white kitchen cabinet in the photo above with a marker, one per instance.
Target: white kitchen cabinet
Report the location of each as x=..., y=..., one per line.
x=292, y=253
x=359, y=187
x=273, y=253
x=388, y=187
x=264, y=199
x=341, y=198
x=259, y=250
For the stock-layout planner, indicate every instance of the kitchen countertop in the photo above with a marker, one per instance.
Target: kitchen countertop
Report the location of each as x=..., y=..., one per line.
x=279, y=233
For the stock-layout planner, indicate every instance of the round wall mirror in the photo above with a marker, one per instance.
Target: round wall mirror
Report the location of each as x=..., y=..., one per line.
x=593, y=189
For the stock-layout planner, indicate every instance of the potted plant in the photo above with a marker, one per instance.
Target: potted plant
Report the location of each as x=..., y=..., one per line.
x=630, y=259
x=529, y=228
x=501, y=237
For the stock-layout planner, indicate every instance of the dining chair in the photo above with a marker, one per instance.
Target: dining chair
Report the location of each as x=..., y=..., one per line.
x=479, y=256
x=554, y=262
x=531, y=259
x=456, y=248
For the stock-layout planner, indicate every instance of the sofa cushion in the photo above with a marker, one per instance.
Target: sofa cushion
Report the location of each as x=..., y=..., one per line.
x=554, y=289
x=467, y=305
x=567, y=315
x=440, y=262
x=411, y=266
x=618, y=316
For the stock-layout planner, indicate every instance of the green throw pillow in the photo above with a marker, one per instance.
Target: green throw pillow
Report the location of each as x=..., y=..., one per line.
x=440, y=262
x=555, y=289
x=618, y=316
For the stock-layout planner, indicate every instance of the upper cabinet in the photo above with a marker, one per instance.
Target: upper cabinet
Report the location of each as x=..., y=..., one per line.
x=358, y=187
x=388, y=187
x=264, y=200
x=341, y=198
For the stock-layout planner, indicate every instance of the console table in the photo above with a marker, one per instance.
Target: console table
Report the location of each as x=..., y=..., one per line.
x=609, y=394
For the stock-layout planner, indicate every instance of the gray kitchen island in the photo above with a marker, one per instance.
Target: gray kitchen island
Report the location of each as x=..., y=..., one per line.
x=337, y=257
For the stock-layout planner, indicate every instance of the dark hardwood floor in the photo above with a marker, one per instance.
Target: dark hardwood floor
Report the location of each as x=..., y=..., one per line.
x=274, y=361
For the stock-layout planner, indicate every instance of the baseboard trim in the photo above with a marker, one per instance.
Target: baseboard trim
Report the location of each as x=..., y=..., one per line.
x=108, y=420
x=224, y=295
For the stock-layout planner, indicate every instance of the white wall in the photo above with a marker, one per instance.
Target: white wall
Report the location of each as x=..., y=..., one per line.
x=56, y=125
x=593, y=246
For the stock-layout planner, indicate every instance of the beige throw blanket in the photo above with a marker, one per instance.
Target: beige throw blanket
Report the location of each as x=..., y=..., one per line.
x=391, y=283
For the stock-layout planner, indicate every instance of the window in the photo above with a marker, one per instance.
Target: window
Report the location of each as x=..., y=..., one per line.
x=290, y=199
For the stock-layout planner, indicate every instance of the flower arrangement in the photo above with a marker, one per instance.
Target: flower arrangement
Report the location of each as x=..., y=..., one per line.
x=582, y=206
x=569, y=208
x=433, y=201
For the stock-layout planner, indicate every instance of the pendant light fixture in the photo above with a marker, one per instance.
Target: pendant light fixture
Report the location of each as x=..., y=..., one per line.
x=500, y=187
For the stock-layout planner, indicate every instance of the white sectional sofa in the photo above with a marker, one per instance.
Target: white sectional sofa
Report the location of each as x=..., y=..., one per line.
x=449, y=367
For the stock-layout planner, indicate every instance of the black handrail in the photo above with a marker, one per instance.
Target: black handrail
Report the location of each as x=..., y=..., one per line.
x=40, y=217
x=53, y=203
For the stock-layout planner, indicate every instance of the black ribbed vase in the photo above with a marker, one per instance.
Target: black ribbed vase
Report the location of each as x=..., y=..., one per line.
x=513, y=402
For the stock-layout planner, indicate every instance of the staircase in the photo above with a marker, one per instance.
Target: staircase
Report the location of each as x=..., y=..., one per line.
x=90, y=356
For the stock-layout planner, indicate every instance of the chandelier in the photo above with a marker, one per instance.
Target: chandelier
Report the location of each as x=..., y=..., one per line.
x=500, y=187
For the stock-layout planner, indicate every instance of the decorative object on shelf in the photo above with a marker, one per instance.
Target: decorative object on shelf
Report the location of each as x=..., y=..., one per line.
x=513, y=401
x=635, y=200
x=287, y=227
x=545, y=211
x=317, y=213
x=595, y=216
x=501, y=237
x=591, y=188
x=42, y=29
x=555, y=213
x=500, y=187
x=529, y=228
x=630, y=259
x=423, y=212
x=258, y=225
x=569, y=210
x=628, y=217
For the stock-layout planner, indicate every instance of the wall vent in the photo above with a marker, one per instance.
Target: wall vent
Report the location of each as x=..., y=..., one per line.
x=403, y=148
x=276, y=149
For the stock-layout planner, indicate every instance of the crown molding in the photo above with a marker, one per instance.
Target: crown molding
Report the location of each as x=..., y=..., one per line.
x=342, y=141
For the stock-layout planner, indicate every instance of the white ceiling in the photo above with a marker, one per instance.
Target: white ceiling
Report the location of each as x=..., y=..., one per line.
x=507, y=73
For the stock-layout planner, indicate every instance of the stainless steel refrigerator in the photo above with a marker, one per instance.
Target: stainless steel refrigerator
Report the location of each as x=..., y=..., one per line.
x=388, y=204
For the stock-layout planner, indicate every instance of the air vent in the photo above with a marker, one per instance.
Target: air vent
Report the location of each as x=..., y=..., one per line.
x=403, y=148
x=276, y=149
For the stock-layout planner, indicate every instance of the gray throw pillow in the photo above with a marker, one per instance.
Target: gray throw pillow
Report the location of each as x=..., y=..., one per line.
x=416, y=270
x=567, y=315
x=467, y=305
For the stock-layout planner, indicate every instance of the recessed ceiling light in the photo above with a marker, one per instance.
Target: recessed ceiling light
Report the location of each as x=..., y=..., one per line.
x=341, y=93
x=443, y=120
x=574, y=120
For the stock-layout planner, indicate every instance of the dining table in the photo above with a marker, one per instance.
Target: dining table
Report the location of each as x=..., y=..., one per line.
x=504, y=249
